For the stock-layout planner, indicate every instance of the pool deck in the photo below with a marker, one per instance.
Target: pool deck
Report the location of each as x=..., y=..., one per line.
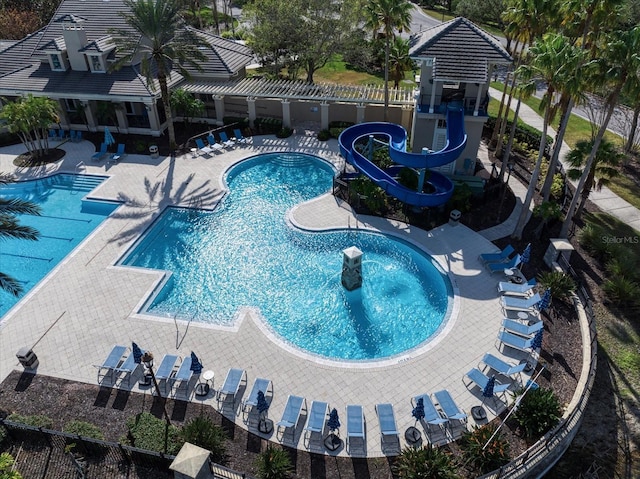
x=86, y=305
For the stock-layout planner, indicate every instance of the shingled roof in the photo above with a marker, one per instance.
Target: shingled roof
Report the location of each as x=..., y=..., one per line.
x=23, y=65
x=462, y=51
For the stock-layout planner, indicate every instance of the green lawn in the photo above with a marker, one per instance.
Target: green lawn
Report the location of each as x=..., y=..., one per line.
x=337, y=71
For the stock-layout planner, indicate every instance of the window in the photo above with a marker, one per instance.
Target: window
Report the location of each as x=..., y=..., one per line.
x=70, y=104
x=56, y=64
x=96, y=63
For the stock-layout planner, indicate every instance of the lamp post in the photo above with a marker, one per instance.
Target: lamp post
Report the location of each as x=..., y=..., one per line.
x=147, y=360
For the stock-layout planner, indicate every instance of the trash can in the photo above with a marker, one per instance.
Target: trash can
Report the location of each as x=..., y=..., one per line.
x=153, y=151
x=27, y=358
x=454, y=218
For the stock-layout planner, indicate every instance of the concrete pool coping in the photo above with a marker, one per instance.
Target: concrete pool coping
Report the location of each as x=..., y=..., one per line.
x=94, y=302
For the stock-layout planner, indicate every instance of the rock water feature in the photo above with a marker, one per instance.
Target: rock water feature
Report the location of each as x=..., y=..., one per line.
x=352, y=268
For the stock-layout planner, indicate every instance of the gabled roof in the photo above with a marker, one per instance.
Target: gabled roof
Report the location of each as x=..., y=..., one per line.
x=462, y=50
x=56, y=44
x=100, y=45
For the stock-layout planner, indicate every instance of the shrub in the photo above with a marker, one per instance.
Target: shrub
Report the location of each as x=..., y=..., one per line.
x=592, y=239
x=561, y=284
x=426, y=462
x=461, y=198
x=622, y=266
x=84, y=429
x=240, y=121
x=140, y=147
x=408, y=177
x=148, y=432
x=324, y=135
x=6, y=467
x=3, y=434
x=621, y=291
x=371, y=194
x=274, y=463
x=495, y=455
x=557, y=186
x=538, y=412
x=202, y=432
x=36, y=420
x=284, y=132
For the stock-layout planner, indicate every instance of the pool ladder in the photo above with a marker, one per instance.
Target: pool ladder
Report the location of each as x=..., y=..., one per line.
x=80, y=167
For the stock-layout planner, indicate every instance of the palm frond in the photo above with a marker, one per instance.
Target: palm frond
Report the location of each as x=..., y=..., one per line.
x=10, y=285
x=17, y=206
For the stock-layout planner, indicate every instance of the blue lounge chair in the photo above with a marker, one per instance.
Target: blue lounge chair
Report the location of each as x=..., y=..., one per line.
x=207, y=150
x=520, y=304
x=165, y=370
x=119, y=154
x=387, y=419
x=500, y=267
x=452, y=412
x=355, y=423
x=317, y=417
x=291, y=414
x=503, y=367
x=182, y=377
x=480, y=379
x=98, y=155
x=78, y=137
x=431, y=415
x=231, y=385
x=128, y=368
x=259, y=384
x=53, y=134
x=61, y=135
x=514, y=341
x=111, y=363
x=213, y=144
x=513, y=289
x=497, y=257
x=522, y=329
x=224, y=139
x=239, y=137
x=72, y=135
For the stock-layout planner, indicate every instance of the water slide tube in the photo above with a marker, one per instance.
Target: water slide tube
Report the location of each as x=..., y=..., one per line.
x=397, y=138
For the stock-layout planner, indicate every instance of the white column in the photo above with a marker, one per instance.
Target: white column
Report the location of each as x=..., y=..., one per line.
x=324, y=115
x=251, y=103
x=219, y=102
x=433, y=97
x=88, y=113
x=121, y=118
x=477, y=105
x=360, y=110
x=405, y=120
x=154, y=123
x=286, y=113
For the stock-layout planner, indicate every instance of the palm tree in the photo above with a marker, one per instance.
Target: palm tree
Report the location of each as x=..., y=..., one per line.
x=162, y=41
x=11, y=228
x=399, y=60
x=385, y=17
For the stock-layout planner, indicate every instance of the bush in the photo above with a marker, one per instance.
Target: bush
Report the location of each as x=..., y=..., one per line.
x=461, y=198
x=240, y=121
x=524, y=134
x=284, y=132
x=202, y=432
x=427, y=462
x=561, y=284
x=84, y=429
x=622, y=291
x=538, y=412
x=36, y=420
x=274, y=463
x=6, y=467
x=408, y=177
x=592, y=239
x=372, y=195
x=148, y=432
x=495, y=455
x=268, y=125
x=324, y=135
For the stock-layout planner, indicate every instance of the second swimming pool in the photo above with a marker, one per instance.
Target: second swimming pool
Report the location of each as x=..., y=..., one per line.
x=246, y=254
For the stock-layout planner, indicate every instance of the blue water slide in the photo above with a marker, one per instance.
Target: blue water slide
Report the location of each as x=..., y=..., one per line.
x=397, y=138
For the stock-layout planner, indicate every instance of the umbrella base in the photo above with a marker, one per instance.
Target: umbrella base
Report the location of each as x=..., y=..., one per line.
x=265, y=426
x=145, y=380
x=202, y=389
x=412, y=435
x=478, y=413
x=332, y=442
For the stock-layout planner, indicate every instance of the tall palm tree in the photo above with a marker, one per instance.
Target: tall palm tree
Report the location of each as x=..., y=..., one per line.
x=399, y=60
x=162, y=42
x=10, y=227
x=384, y=18
x=553, y=61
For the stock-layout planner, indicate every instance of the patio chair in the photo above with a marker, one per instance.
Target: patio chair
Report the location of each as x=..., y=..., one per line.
x=231, y=385
x=213, y=144
x=129, y=367
x=452, y=412
x=72, y=135
x=98, y=155
x=239, y=137
x=387, y=419
x=224, y=139
x=119, y=154
x=500, y=267
x=520, y=304
x=78, y=137
x=111, y=363
x=165, y=370
x=497, y=257
x=62, y=134
x=514, y=341
x=526, y=330
x=182, y=377
x=53, y=134
x=259, y=384
x=503, y=367
x=207, y=150
x=431, y=414
x=291, y=415
x=355, y=423
x=317, y=417
x=513, y=289
x=478, y=378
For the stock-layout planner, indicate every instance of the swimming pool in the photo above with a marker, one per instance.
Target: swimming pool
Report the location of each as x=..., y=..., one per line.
x=245, y=254
x=66, y=219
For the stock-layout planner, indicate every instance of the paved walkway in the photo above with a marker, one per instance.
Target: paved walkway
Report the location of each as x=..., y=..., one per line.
x=605, y=199
x=87, y=304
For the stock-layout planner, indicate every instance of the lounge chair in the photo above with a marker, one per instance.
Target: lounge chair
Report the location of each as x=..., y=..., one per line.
x=514, y=341
x=259, y=384
x=165, y=370
x=317, y=417
x=183, y=376
x=387, y=419
x=207, y=150
x=453, y=413
x=431, y=415
x=355, y=423
x=513, y=289
x=497, y=257
x=503, y=367
x=62, y=135
x=522, y=329
x=500, y=267
x=480, y=379
x=213, y=144
x=78, y=137
x=129, y=368
x=239, y=137
x=291, y=414
x=224, y=139
x=98, y=155
x=231, y=384
x=111, y=363
x=119, y=154
x=520, y=304
x=53, y=134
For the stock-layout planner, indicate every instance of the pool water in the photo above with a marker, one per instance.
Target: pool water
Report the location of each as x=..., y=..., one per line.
x=246, y=254
x=66, y=219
